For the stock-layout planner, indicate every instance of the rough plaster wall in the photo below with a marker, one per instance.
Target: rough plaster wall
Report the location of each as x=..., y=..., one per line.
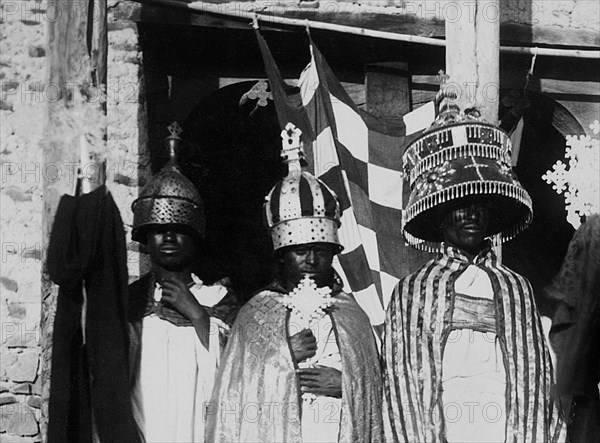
x=578, y=14
x=22, y=110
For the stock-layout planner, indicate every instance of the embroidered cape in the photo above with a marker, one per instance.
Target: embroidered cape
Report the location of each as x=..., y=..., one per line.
x=257, y=395
x=418, y=322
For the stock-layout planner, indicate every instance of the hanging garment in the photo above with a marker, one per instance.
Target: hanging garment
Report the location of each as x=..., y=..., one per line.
x=87, y=258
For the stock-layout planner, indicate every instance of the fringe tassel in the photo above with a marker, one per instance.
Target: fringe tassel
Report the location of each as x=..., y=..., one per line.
x=422, y=245
x=474, y=188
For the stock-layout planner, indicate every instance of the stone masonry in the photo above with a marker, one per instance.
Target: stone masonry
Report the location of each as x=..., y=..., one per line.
x=22, y=109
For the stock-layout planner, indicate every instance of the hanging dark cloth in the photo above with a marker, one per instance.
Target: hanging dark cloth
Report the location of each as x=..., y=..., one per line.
x=89, y=388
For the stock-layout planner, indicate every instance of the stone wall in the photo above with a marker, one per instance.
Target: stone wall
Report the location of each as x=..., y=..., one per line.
x=22, y=109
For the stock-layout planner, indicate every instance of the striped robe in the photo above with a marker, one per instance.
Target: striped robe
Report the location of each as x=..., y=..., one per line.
x=418, y=322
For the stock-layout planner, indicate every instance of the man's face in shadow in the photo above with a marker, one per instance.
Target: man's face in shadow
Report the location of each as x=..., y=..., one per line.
x=170, y=248
x=465, y=227
x=312, y=260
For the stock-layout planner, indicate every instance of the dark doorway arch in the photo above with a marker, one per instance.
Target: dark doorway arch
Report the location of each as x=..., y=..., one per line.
x=538, y=252
x=234, y=159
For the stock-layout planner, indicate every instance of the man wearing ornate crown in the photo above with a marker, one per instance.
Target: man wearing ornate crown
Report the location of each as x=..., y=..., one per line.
x=301, y=364
x=177, y=323
x=465, y=357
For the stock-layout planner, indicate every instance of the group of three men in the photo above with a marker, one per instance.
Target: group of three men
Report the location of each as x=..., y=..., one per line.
x=463, y=355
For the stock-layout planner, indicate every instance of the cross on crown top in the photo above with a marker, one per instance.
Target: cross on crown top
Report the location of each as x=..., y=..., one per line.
x=292, y=151
x=175, y=130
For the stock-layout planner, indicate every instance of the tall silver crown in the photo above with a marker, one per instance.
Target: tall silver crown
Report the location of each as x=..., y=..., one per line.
x=300, y=209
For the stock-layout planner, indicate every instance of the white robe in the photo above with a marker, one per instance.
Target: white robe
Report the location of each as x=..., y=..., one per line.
x=177, y=372
x=473, y=376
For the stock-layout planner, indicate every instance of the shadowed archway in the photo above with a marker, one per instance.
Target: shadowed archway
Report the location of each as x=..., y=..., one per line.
x=538, y=252
x=234, y=159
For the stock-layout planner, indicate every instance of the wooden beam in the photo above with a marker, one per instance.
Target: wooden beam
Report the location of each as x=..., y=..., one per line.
x=390, y=25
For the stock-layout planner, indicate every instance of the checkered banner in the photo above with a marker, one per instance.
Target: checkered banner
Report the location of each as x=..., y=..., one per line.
x=364, y=173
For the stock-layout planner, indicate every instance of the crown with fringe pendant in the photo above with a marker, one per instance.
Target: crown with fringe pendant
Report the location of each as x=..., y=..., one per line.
x=461, y=158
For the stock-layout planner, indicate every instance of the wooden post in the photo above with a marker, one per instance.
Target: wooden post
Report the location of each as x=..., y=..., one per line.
x=473, y=60
x=76, y=58
x=473, y=55
x=388, y=89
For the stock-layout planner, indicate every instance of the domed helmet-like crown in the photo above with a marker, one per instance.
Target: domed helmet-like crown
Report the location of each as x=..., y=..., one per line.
x=169, y=198
x=301, y=209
